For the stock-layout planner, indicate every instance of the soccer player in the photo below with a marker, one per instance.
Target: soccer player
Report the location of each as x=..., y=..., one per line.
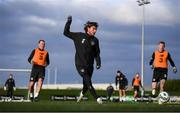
x=123, y=83
x=10, y=86
x=159, y=62
x=136, y=84
x=87, y=49
x=110, y=91
x=39, y=58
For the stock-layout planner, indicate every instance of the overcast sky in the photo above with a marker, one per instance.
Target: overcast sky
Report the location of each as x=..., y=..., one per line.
x=24, y=22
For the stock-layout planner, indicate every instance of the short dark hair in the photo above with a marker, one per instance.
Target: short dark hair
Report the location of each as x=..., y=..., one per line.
x=89, y=24
x=41, y=40
x=118, y=71
x=11, y=74
x=162, y=42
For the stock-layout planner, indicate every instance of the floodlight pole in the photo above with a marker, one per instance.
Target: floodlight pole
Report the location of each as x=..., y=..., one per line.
x=142, y=3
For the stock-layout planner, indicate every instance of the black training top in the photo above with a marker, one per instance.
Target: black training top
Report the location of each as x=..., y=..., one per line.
x=121, y=80
x=87, y=47
x=10, y=83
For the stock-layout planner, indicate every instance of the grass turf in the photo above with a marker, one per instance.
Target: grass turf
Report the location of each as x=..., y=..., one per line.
x=86, y=106
x=46, y=105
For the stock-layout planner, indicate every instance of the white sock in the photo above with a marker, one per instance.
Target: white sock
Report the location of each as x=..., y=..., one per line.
x=153, y=92
x=81, y=94
x=124, y=98
x=31, y=94
x=36, y=94
x=120, y=99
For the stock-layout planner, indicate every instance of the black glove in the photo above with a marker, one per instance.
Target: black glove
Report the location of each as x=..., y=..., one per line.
x=98, y=66
x=69, y=18
x=174, y=69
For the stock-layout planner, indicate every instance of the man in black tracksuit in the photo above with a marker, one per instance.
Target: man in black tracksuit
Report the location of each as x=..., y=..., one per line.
x=87, y=49
x=123, y=83
x=10, y=86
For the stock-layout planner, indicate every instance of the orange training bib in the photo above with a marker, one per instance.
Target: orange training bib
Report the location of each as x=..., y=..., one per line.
x=160, y=60
x=40, y=57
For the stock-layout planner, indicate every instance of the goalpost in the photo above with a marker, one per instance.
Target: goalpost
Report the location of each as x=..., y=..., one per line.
x=21, y=82
x=16, y=70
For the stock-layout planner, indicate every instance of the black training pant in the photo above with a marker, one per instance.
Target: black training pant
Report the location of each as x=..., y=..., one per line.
x=86, y=74
x=10, y=92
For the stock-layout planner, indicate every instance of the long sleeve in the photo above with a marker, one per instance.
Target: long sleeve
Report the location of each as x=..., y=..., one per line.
x=47, y=59
x=6, y=83
x=170, y=60
x=133, y=81
x=126, y=81
x=97, y=57
x=140, y=83
x=31, y=56
x=13, y=83
x=67, y=32
x=152, y=59
x=116, y=80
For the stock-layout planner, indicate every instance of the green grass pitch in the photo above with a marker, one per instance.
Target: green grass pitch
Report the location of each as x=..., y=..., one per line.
x=46, y=105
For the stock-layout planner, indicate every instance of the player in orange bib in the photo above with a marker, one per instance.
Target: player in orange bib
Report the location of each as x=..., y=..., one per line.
x=159, y=63
x=39, y=59
x=136, y=84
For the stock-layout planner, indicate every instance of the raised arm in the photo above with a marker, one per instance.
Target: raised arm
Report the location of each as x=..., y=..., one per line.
x=67, y=32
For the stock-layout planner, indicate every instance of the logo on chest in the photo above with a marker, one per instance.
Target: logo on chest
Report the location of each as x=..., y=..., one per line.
x=92, y=43
x=83, y=40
